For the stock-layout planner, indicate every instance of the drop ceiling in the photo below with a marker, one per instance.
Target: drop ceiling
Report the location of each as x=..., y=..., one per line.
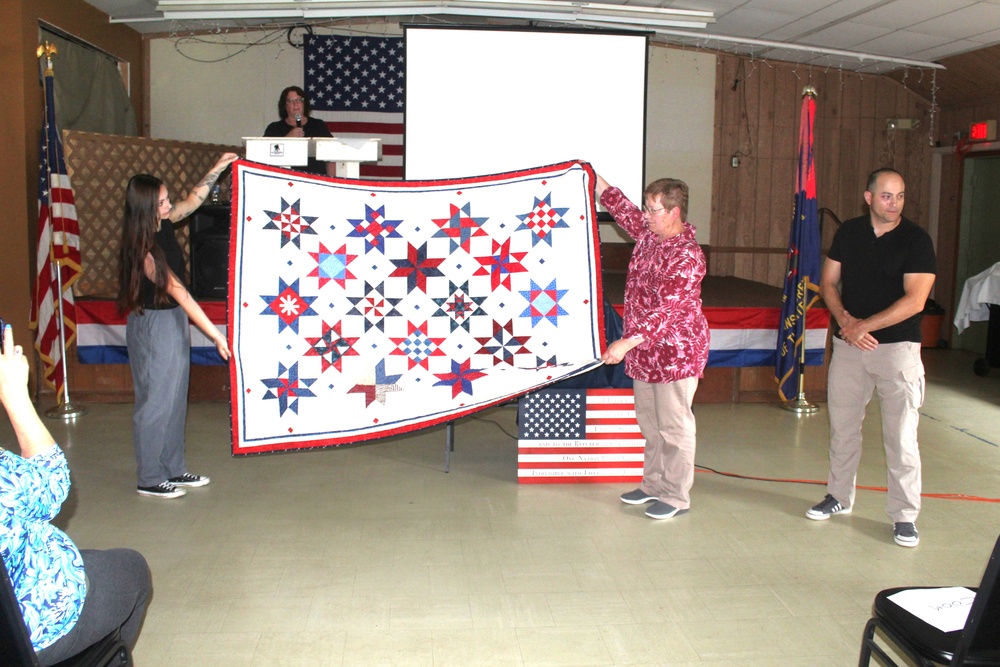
x=881, y=32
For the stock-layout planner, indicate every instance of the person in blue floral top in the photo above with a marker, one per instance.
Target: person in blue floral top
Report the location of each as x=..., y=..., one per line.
x=70, y=599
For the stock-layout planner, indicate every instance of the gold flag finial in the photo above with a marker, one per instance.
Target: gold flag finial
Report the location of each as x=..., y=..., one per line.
x=809, y=90
x=47, y=49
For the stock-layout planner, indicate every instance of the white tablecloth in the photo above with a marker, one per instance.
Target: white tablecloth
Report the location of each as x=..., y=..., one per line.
x=980, y=290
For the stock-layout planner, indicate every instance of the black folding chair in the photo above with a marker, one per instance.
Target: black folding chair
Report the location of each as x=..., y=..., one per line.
x=977, y=644
x=15, y=644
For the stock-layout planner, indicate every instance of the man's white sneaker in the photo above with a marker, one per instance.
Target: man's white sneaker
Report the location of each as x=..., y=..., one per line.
x=827, y=508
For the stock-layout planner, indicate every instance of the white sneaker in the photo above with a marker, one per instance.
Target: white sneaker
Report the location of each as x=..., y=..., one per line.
x=827, y=508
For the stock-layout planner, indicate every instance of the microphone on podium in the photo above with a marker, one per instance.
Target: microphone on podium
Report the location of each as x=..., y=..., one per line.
x=298, y=120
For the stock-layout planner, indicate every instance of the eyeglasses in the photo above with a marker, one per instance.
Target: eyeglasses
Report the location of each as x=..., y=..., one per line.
x=293, y=100
x=651, y=211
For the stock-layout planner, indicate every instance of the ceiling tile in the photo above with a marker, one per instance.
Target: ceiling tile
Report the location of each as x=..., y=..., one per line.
x=751, y=22
x=963, y=23
x=890, y=16
x=717, y=7
x=792, y=31
x=902, y=43
x=840, y=9
x=846, y=35
x=796, y=7
x=991, y=37
x=950, y=49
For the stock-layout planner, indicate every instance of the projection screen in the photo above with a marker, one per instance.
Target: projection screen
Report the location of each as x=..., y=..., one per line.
x=488, y=100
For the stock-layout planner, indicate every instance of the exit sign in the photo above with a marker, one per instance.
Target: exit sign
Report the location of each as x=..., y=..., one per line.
x=984, y=131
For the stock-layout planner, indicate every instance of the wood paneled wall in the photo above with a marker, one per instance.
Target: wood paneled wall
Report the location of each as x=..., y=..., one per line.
x=757, y=119
x=966, y=79
x=958, y=118
x=968, y=91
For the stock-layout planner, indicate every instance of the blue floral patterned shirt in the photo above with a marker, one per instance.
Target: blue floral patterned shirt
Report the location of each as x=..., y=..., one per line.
x=44, y=564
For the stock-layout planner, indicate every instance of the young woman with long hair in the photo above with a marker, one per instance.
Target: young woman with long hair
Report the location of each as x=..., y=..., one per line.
x=151, y=290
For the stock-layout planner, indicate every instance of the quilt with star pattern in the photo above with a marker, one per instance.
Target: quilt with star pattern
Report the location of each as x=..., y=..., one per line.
x=366, y=309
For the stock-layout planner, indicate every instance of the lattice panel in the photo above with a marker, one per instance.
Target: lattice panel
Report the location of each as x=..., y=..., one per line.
x=99, y=166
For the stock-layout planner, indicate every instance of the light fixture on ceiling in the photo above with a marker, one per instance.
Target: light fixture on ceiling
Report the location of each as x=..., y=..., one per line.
x=632, y=16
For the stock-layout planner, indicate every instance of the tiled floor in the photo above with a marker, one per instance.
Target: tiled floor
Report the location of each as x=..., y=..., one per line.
x=372, y=555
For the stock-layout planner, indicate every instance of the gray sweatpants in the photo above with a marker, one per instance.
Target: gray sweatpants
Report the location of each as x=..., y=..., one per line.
x=159, y=351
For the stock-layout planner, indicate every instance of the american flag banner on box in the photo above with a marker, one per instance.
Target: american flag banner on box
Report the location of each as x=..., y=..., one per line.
x=579, y=436
x=355, y=84
x=363, y=309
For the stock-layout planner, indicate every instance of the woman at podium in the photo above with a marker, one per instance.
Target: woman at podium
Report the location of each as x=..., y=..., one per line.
x=293, y=109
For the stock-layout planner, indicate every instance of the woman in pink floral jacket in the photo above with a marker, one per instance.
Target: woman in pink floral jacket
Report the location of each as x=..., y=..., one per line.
x=665, y=339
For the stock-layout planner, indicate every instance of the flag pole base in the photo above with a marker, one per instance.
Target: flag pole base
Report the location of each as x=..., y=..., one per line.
x=800, y=406
x=66, y=412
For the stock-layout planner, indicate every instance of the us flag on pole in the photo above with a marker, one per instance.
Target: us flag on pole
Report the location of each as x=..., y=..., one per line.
x=355, y=85
x=579, y=436
x=58, y=249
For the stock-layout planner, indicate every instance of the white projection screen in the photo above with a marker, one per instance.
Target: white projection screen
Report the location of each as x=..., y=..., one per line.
x=488, y=100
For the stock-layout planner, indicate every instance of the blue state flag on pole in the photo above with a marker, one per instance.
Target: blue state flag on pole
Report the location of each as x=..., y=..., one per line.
x=801, y=289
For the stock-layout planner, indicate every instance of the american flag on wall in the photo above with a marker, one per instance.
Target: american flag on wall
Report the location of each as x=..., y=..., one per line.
x=355, y=84
x=579, y=436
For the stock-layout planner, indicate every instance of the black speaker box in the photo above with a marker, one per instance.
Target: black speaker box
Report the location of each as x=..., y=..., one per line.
x=209, y=230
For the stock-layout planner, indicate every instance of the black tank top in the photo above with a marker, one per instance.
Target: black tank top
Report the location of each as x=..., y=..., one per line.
x=175, y=260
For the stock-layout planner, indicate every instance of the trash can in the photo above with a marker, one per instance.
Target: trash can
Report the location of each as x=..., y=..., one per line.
x=930, y=325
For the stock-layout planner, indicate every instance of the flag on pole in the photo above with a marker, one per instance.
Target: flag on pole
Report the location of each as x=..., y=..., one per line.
x=58, y=249
x=801, y=289
x=355, y=85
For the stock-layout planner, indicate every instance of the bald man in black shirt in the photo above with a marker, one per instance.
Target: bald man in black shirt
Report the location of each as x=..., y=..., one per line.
x=875, y=281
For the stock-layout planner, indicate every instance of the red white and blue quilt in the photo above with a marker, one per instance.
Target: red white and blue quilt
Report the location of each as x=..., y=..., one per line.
x=361, y=309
